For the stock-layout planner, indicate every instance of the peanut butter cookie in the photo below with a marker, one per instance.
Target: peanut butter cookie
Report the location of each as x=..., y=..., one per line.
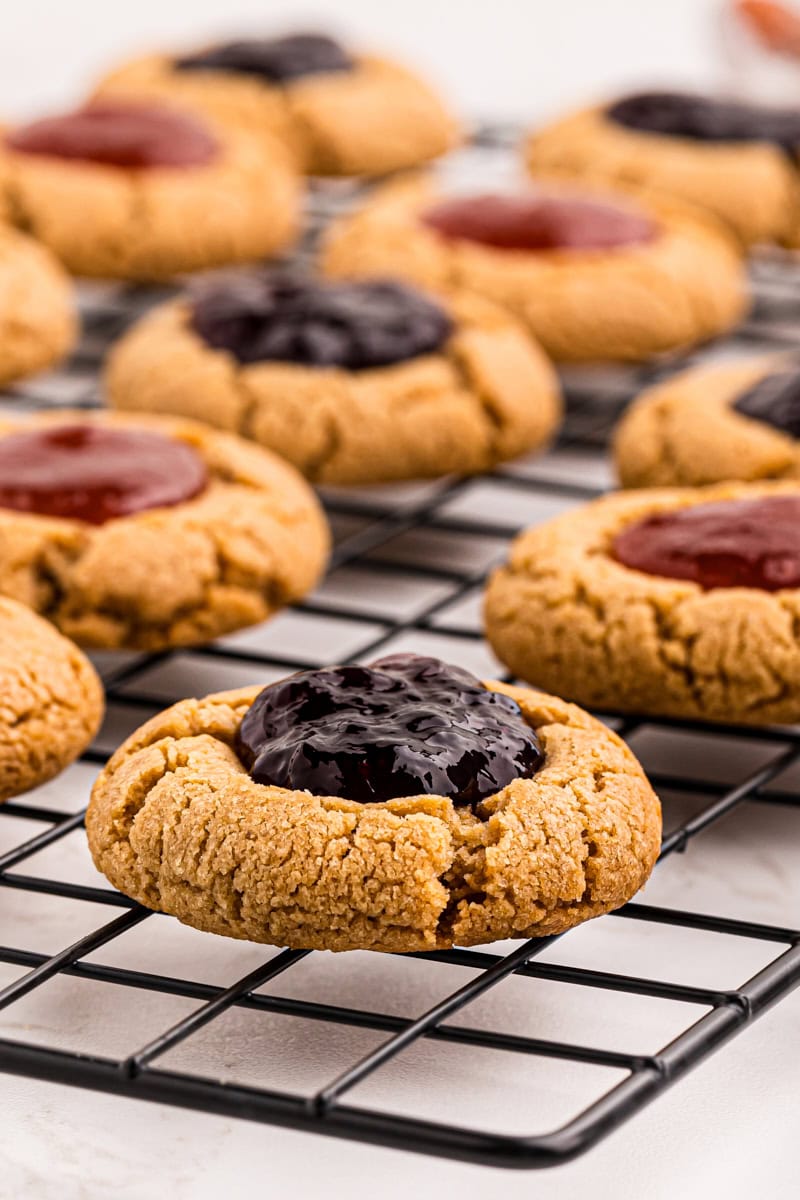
x=593, y=276
x=38, y=322
x=51, y=700
x=735, y=160
x=352, y=382
x=676, y=602
x=398, y=807
x=340, y=114
x=145, y=192
x=141, y=533
x=738, y=420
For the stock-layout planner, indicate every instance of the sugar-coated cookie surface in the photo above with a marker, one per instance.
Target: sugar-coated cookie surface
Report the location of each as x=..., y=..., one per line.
x=253, y=539
x=372, y=119
x=176, y=822
x=51, y=700
x=629, y=302
x=487, y=394
x=564, y=611
x=688, y=430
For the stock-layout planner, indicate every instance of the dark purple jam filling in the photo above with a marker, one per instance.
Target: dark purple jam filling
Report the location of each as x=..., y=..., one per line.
x=706, y=119
x=403, y=726
x=775, y=399
x=260, y=316
x=277, y=60
x=731, y=543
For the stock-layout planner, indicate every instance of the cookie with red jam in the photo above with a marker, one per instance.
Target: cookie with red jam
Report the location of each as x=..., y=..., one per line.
x=38, y=319
x=735, y=159
x=145, y=532
x=593, y=275
x=737, y=420
x=339, y=112
x=681, y=603
x=352, y=381
x=51, y=700
x=143, y=191
x=400, y=806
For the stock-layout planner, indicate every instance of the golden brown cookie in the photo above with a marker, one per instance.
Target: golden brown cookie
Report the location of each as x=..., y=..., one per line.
x=683, y=285
x=565, y=612
x=51, y=701
x=687, y=431
x=250, y=538
x=38, y=321
x=480, y=394
x=176, y=822
x=750, y=185
x=151, y=222
x=372, y=119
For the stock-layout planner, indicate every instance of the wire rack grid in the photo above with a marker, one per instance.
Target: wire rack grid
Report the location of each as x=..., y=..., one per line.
x=406, y=573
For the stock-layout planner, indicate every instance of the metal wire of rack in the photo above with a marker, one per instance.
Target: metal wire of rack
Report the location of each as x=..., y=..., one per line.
x=406, y=572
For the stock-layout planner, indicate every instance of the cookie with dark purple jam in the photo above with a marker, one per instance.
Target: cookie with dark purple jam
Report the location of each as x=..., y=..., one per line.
x=281, y=317
x=402, y=806
x=353, y=381
x=736, y=420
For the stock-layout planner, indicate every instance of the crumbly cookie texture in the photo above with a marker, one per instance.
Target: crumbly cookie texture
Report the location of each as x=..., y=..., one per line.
x=153, y=223
x=377, y=118
x=751, y=186
x=564, y=611
x=251, y=542
x=51, y=700
x=176, y=822
x=686, y=432
x=38, y=322
x=488, y=395
x=632, y=302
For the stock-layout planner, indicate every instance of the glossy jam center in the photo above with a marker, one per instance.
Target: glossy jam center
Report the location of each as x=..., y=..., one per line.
x=119, y=135
x=734, y=543
x=536, y=222
x=263, y=315
x=403, y=726
x=94, y=473
x=706, y=119
x=775, y=399
x=277, y=60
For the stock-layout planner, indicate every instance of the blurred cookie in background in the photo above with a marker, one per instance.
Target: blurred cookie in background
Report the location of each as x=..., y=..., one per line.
x=729, y=421
x=38, y=316
x=143, y=532
x=341, y=112
x=679, y=602
x=734, y=158
x=144, y=192
x=594, y=274
x=51, y=700
x=352, y=382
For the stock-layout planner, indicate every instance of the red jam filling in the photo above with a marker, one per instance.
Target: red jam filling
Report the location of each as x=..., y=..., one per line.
x=119, y=135
x=94, y=473
x=538, y=222
x=733, y=543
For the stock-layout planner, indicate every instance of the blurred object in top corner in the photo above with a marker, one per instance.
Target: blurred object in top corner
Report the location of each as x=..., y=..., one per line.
x=761, y=48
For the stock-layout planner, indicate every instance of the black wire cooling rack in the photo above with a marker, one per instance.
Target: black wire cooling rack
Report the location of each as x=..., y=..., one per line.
x=406, y=573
